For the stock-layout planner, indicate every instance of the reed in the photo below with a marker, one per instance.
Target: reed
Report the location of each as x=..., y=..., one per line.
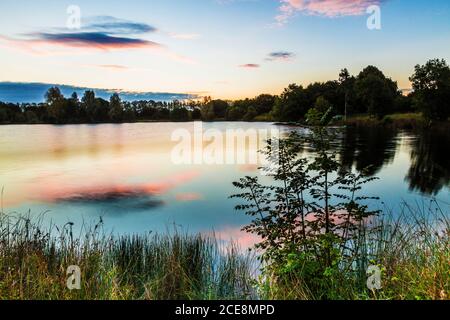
x=33, y=264
x=411, y=246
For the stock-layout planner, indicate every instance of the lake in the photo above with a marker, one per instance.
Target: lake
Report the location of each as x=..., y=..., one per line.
x=127, y=175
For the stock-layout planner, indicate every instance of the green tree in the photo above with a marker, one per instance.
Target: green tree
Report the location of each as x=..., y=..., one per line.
x=250, y=115
x=88, y=105
x=31, y=117
x=179, y=114
x=196, y=114
x=263, y=103
x=238, y=109
x=215, y=109
x=3, y=116
x=208, y=113
x=53, y=96
x=57, y=106
x=116, y=111
x=431, y=84
x=376, y=92
x=292, y=105
x=346, y=92
x=311, y=218
x=321, y=112
x=322, y=105
x=73, y=108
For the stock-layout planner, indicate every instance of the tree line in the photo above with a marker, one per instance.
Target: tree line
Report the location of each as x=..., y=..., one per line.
x=91, y=109
x=370, y=92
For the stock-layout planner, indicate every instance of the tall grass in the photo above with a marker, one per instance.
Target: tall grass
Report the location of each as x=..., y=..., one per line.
x=411, y=247
x=33, y=264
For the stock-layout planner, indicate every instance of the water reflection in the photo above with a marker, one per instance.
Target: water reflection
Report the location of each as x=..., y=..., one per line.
x=125, y=173
x=372, y=149
x=116, y=202
x=368, y=149
x=430, y=165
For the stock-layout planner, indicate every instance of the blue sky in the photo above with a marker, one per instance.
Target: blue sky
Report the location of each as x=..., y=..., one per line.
x=223, y=48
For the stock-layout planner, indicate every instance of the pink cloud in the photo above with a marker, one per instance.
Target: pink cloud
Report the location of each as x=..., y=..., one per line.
x=190, y=196
x=250, y=66
x=112, y=66
x=327, y=8
x=53, y=191
x=61, y=45
x=235, y=235
x=248, y=168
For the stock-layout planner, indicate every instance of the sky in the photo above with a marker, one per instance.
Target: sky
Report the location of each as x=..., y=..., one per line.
x=221, y=48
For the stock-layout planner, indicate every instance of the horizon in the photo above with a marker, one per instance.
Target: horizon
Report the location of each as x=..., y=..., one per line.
x=10, y=94
x=34, y=92
x=236, y=49
x=19, y=92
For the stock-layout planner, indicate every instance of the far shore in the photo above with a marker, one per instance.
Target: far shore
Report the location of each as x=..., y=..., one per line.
x=397, y=120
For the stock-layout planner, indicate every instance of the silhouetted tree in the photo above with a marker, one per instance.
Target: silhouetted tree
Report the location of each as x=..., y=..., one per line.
x=179, y=114
x=431, y=84
x=263, y=103
x=53, y=95
x=115, y=108
x=88, y=105
x=375, y=91
x=251, y=114
x=346, y=92
x=216, y=109
x=57, y=106
x=196, y=114
x=292, y=105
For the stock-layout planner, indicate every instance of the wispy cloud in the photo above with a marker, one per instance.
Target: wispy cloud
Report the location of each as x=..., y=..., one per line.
x=280, y=56
x=112, y=66
x=273, y=56
x=100, y=32
x=113, y=25
x=91, y=40
x=327, y=8
x=104, y=33
x=250, y=65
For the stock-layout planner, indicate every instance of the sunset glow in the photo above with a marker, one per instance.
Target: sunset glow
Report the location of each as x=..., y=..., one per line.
x=225, y=49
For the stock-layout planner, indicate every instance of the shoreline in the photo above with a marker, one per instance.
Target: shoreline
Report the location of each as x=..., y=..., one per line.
x=396, y=121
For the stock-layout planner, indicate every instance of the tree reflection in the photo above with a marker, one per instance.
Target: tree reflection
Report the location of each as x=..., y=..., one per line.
x=430, y=165
x=368, y=149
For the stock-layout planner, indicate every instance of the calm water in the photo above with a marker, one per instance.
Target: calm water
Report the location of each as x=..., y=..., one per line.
x=125, y=174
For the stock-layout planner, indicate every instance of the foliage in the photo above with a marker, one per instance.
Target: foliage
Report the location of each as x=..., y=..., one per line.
x=214, y=109
x=321, y=113
x=292, y=105
x=370, y=92
x=250, y=115
x=376, y=91
x=431, y=83
x=310, y=220
x=116, y=111
x=34, y=260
